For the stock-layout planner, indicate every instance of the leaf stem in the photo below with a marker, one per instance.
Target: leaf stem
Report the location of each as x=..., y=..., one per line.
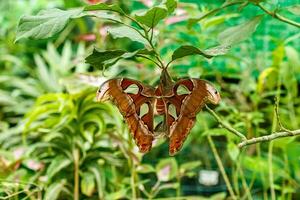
x=142, y=56
x=275, y=15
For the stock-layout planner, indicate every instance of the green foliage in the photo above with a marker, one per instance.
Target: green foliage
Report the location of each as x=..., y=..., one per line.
x=103, y=59
x=295, y=9
x=127, y=32
x=58, y=143
x=151, y=17
x=45, y=24
x=240, y=32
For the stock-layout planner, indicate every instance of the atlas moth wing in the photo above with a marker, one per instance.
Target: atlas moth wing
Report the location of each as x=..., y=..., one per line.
x=129, y=105
x=187, y=106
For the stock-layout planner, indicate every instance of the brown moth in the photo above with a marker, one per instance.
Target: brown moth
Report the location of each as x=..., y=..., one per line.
x=178, y=109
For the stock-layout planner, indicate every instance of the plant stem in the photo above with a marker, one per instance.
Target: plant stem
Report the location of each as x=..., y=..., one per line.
x=76, y=173
x=244, y=183
x=221, y=167
x=225, y=124
x=278, y=16
x=270, y=166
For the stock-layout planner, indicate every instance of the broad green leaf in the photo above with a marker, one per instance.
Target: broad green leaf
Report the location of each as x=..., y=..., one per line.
x=166, y=169
x=295, y=9
x=258, y=165
x=151, y=17
x=103, y=15
x=53, y=191
x=120, y=194
x=127, y=32
x=188, y=50
x=283, y=142
x=217, y=51
x=189, y=166
x=100, y=180
x=171, y=5
x=233, y=150
x=145, y=169
x=264, y=75
x=216, y=132
x=100, y=58
x=87, y=183
x=57, y=164
x=218, y=196
x=103, y=6
x=240, y=32
x=166, y=186
x=107, y=58
x=45, y=24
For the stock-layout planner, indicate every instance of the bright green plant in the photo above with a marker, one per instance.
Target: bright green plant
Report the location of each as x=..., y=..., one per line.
x=81, y=149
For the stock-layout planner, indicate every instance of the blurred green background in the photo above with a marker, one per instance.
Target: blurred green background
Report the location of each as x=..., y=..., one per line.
x=56, y=142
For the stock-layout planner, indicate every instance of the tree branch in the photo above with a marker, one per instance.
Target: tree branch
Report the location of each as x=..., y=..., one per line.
x=245, y=141
x=275, y=15
x=214, y=11
x=269, y=137
x=226, y=124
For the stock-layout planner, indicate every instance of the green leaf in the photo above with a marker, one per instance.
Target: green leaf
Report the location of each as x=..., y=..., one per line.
x=233, y=151
x=145, y=169
x=127, y=32
x=101, y=59
x=217, y=50
x=189, y=166
x=168, y=186
x=103, y=6
x=171, y=5
x=151, y=17
x=295, y=9
x=166, y=169
x=188, y=50
x=45, y=24
x=87, y=184
x=57, y=164
x=103, y=15
x=100, y=180
x=120, y=194
x=218, y=196
x=215, y=132
x=53, y=191
x=240, y=32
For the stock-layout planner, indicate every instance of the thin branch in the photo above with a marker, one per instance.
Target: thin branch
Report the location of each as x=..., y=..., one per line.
x=275, y=15
x=226, y=124
x=221, y=167
x=245, y=141
x=269, y=137
x=216, y=10
x=282, y=128
x=132, y=19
